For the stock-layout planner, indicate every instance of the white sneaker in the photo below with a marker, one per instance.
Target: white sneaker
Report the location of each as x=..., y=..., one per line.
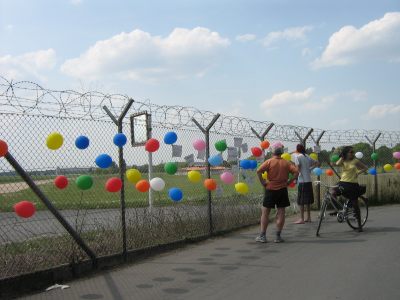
x=261, y=239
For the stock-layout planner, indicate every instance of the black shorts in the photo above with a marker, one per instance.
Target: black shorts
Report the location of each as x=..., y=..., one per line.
x=278, y=198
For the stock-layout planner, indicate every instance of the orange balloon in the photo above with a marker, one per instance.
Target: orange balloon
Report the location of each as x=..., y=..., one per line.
x=3, y=148
x=210, y=184
x=264, y=145
x=329, y=172
x=397, y=166
x=143, y=185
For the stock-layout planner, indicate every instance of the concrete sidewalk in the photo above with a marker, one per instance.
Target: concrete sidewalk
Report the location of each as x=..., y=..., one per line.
x=341, y=264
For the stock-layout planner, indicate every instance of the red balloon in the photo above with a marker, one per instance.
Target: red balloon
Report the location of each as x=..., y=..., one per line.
x=210, y=184
x=143, y=185
x=3, y=148
x=264, y=145
x=61, y=182
x=397, y=166
x=24, y=209
x=152, y=145
x=114, y=184
x=257, y=152
x=329, y=172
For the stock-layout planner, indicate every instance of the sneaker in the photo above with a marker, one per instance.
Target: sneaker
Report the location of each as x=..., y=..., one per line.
x=278, y=239
x=261, y=239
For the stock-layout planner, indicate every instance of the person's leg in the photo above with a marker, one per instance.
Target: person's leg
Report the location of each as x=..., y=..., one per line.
x=280, y=218
x=264, y=219
x=265, y=211
x=308, y=213
x=301, y=220
x=356, y=207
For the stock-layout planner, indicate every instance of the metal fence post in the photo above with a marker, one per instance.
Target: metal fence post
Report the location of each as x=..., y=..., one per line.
x=206, y=132
x=38, y=192
x=122, y=167
x=263, y=135
x=319, y=176
x=373, y=144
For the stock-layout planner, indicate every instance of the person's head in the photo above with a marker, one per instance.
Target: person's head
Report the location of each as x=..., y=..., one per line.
x=277, y=148
x=347, y=153
x=300, y=149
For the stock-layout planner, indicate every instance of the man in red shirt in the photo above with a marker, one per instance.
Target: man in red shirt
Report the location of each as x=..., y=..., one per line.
x=276, y=193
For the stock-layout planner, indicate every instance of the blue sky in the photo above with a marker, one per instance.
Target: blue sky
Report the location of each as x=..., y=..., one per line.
x=325, y=64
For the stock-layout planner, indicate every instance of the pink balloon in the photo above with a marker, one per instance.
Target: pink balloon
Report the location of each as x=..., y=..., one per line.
x=227, y=177
x=396, y=155
x=277, y=145
x=199, y=145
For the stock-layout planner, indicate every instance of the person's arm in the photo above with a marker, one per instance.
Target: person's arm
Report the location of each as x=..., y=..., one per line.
x=361, y=167
x=294, y=171
x=261, y=170
x=340, y=162
x=314, y=163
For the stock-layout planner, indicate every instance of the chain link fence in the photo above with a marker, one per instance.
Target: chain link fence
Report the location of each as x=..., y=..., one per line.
x=29, y=113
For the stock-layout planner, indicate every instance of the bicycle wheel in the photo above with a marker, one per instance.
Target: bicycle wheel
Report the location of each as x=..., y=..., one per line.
x=351, y=216
x=321, y=216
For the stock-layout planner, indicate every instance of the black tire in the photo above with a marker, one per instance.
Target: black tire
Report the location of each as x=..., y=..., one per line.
x=350, y=215
x=321, y=216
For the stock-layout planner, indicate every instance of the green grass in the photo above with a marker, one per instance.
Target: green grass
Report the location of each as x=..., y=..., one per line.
x=98, y=198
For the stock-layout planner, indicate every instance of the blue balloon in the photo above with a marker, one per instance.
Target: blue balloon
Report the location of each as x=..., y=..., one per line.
x=119, y=139
x=215, y=160
x=170, y=138
x=103, y=161
x=82, y=142
x=253, y=164
x=372, y=171
x=175, y=194
x=245, y=164
x=318, y=171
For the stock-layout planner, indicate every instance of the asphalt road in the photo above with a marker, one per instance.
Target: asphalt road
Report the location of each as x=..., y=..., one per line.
x=341, y=264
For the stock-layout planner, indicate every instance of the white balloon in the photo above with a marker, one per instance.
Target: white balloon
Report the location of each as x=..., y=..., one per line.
x=157, y=184
x=359, y=155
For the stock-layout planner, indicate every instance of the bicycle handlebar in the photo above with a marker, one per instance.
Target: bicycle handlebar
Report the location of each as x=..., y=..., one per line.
x=317, y=182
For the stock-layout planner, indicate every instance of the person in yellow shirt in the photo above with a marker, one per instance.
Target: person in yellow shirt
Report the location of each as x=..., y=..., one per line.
x=351, y=168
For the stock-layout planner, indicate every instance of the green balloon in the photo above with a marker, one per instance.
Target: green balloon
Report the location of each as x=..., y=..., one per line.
x=374, y=156
x=334, y=158
x=221, y=146
x=171, y=168
x=84, y=182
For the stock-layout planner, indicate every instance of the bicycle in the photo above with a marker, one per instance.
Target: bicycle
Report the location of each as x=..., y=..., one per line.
x=343, y=211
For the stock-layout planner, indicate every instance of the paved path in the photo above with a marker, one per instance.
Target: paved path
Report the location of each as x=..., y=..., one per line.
x=342, y=264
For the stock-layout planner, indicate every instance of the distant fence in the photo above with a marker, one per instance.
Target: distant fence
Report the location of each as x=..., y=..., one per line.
x=112, y=223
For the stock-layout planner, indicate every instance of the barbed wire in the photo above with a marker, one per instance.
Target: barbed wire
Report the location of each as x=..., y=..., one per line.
x=26, y=97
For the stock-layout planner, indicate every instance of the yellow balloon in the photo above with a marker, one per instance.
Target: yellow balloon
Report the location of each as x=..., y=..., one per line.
x=133, y=175
x=242, y=188
x=314, y=156
x=194, y=176
x=387, y=167
x=286, y=156
x=54, y=140
x=265, y=175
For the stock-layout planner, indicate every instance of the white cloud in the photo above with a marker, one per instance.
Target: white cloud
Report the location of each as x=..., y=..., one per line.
x=377, y=40
x=246, y=37
x=138, y=55
x=296, y=102
x=381, y=111
x=288, y=34
x=28, y=65
x=286, y=98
